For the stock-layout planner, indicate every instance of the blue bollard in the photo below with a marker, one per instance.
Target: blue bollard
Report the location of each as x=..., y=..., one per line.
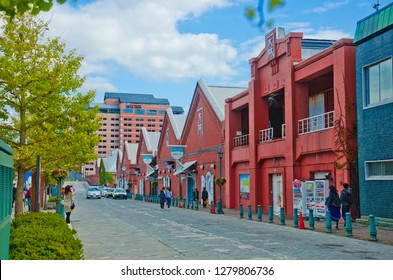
x=311, y=219
x=348, y=224
x=282, y=216
x=328, y=222
x=373, y=229
x=295, y=218
x=259, y=213
x=270, y=214
x=249, y=213
x=241, y=211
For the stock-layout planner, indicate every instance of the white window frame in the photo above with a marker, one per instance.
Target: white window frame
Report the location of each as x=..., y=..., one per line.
x=365, y=79
x=369, y=177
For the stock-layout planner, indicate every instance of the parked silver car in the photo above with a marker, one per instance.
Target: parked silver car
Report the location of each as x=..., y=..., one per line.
x=93, y=192
x=119, y=193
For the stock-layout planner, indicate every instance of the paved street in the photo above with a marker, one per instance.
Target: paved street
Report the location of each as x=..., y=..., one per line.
x=129, y=229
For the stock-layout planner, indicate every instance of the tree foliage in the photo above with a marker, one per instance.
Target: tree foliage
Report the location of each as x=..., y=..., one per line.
x=256, y=15
x=102, y=173
x=19, y=7
x=40, y=113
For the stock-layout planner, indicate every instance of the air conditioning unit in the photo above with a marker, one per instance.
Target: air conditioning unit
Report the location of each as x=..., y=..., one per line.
x=239, y=133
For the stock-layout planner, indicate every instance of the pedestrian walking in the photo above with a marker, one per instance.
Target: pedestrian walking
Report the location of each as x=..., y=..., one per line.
x=205, y=197
x=346, y=201
x=68, y=202
x=13, y=195
x=28, y=198
x=168, y=197
x=333, y=203
x=195, y=194
x=162, y=199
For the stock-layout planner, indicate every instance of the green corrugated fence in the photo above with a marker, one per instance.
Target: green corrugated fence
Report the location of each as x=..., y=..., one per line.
x=6, y=180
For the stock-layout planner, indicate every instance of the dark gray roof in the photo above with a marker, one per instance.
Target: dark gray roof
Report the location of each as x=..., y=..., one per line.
x=317, y=43
x=177, y=110
x=136, y=98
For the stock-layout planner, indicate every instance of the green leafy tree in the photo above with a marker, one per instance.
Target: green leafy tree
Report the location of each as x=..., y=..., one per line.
x=256, y=14
x=40, y=113
x=102, y=173
x=14, y=7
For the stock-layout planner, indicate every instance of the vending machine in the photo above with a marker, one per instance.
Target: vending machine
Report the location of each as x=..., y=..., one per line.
x=309, y=196
x=321, y=193
x=298, y=201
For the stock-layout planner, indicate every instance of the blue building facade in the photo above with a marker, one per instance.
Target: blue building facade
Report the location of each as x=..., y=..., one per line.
x=374, y=90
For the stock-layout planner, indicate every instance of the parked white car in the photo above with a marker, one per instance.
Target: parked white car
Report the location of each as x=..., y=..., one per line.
x=119, y=193
x=93, y=192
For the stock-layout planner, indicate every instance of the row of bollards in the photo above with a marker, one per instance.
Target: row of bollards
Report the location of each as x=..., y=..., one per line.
x=311, y=220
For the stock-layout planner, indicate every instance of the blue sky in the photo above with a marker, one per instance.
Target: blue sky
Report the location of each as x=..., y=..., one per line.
x=163, y=47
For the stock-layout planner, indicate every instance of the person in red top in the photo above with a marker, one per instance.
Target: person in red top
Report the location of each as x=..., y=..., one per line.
x=28, y=198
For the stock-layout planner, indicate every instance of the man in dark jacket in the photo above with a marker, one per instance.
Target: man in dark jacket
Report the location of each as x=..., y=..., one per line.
x=205, y=196
x=346, y=201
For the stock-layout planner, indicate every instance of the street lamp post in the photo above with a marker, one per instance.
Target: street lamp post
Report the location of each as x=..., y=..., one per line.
x=123, y=169
x=220, y=155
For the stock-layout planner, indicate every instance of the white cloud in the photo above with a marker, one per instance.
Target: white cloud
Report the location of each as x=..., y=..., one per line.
x=328, y=6
x=142, y=37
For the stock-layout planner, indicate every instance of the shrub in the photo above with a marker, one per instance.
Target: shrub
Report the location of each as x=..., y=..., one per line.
x=52, y=199
x=43, y=236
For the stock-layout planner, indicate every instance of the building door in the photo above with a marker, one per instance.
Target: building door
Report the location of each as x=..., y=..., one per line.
x=277, y=191
x=190, y=186
x=316, y=107
x=141, y=186
x=209, y=182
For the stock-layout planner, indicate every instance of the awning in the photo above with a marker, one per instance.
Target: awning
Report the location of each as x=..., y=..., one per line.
x=150, y=171
x=184, y=167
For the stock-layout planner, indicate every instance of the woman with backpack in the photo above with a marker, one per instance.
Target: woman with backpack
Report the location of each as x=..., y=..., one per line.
x=334, y=204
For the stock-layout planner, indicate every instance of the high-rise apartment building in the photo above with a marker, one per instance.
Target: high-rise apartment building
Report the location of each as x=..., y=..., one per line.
x=123, y=116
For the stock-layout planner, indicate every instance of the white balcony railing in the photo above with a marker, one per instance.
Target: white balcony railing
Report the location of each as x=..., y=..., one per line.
x=240, y=141
x=266, y=135
x=316, y=123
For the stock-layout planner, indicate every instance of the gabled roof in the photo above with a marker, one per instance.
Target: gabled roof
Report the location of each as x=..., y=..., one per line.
x=216, y=96
x=136, y=98
x=177, y=122
x=151, y=140
x=374, y=23
x=131, y=150
x=111, y=161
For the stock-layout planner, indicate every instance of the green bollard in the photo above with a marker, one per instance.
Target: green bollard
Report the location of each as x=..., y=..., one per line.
x=62, y=210
x=259, y=213
x=311, y=219
x=196, y=205
x=328, y=222
x=270, y=214
x=188, y=204
x=249, y=213
x=211, y=206
x=348, y=224
x=373, y=228
x=282, y=216
x=295, y=218
x=241, y=211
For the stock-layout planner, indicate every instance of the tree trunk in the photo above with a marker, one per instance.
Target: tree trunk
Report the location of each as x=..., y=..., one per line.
x=19, y=200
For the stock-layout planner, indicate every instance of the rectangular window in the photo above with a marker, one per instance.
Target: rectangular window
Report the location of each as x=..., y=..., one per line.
x=162, y=112
x=379, y=170
x=378, y=79
x=151, y=112
x=139, y=112
x=127, y=110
